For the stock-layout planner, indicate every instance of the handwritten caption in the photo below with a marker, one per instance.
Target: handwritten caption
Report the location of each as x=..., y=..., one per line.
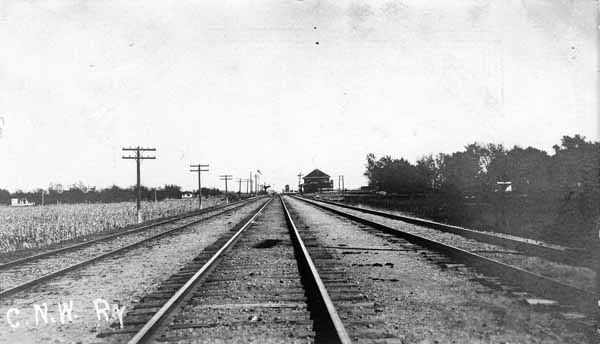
x=39, y=314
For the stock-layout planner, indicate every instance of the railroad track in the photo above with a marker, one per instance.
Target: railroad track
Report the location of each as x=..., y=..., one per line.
x=265, y=281
x=581, y=300
x=21, y=274
x=571, y=256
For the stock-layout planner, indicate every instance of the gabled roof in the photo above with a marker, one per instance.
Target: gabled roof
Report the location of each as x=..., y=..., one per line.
x=316, y=173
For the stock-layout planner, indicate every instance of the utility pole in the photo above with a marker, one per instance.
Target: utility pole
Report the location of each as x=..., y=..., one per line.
x=199, y=168
x=240, y=188
x=299, y=183
x=257, y=186
x=251, y=189
x=226, y=177
x=343, y=184
x=138, y=158
x=247, y=185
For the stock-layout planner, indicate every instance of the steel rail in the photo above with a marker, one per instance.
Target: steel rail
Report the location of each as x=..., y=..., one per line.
x=583, y=299
x=23, y=286
x=557, y=254
x=24, y=260
x=154, y=323
x=341, y=335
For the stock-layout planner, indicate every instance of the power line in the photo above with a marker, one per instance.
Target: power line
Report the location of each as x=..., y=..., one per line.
x=226, y=177
x=256, y=181
x=240, y=180
x=250, y=182
x=199, y=168
x=255, y=184
x=139, y=157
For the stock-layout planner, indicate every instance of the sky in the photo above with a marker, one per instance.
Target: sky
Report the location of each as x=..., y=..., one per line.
x=283, y=86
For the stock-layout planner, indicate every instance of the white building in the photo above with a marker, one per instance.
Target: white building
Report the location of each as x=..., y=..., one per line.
x=20, y=202
x=187, y=195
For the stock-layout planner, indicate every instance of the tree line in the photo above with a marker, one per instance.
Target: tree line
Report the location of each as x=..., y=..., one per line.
x=500, y=185
x=80, y=193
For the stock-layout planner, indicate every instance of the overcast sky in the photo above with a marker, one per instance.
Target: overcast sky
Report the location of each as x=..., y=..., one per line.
x=282, y=86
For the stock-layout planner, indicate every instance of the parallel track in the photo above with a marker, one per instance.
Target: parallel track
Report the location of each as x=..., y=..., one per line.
x=290, y=301
x=32, y=258
x=554, y=253
x=583, y=300
x=36, y=259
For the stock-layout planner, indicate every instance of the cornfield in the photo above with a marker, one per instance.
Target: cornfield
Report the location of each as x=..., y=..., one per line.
x=27, y=227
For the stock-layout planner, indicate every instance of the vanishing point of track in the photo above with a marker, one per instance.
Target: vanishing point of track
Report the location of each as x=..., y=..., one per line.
x=282, y=292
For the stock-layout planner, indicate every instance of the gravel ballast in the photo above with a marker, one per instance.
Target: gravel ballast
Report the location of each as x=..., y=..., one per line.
x=577, y=276
x=422, y=303
x=116, y=282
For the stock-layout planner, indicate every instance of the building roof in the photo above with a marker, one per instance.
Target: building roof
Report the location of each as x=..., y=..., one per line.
x=316, y=173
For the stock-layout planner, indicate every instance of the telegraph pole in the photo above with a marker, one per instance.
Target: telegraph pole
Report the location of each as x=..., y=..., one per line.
x=244, y=181
x=251, y=182
x=256, y=184
x=138, y=158
x=199, y=168
x=240, y=187
x=341, y=184
x=226, y=177
x=299, y=178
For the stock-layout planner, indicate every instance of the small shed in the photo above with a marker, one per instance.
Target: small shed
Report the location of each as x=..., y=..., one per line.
x=20, y=202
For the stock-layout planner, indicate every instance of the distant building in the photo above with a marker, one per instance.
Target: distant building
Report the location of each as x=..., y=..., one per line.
x=504, y=187
x=317, y=181
x=287, y=188
x=20, y=202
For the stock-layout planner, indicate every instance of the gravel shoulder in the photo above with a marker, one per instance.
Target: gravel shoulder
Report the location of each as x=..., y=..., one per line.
x=422, y=303
x=403, y=213
x=117, y=282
